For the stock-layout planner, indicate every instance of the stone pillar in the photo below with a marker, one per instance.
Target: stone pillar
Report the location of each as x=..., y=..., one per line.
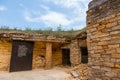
x=48, y=56
x=74, y=53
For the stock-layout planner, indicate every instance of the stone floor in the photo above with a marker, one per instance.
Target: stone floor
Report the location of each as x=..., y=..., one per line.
x=53, y=74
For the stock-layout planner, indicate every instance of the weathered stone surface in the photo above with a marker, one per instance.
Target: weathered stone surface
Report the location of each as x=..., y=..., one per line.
x=115, y=55
x=82, y=72
x=17, y=35
x=5, y=54
x=105, y=14
x=106, y=68
x=75, y=52
x=111, y=74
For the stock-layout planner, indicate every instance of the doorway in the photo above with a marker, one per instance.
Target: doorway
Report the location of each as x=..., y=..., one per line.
x=84, y=54
x=66, y=57
x=21, y=58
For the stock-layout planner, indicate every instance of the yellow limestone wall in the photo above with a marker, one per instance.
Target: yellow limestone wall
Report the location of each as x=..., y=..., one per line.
x=5, y=54
x=39, y=52
x=57, y=57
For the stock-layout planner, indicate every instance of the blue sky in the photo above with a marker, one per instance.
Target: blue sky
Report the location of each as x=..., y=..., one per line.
x=41, y=14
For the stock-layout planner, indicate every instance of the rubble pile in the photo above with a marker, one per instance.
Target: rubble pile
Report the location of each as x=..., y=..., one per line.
x=79, y=72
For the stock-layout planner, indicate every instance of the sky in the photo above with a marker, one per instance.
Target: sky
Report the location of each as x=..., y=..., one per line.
x=43, y=14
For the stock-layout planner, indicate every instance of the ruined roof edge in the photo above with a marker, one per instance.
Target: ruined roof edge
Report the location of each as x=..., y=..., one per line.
x=30, y=37
x=95, y=3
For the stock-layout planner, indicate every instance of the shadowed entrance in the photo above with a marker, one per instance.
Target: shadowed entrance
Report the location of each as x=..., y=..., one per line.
x=66, y=57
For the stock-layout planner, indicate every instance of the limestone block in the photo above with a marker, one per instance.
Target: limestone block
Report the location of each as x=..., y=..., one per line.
x=115, y=55
x=113, y=60
x=110, y=51
x=105, y=47
x=106, y=69
x=118, y=60
x=96, y=67
x=118, y=50
x=116, y=27
x=96, y=55
x=97, y=47
x=117, y=70
x=108, y=64
x=93, y=29
x=114, y=32
x=114, y=46
x=111, y=74
x=102, y=43
x=117, y=66
x=111, y=24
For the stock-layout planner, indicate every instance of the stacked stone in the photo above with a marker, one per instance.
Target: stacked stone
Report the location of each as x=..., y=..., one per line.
x=82, y=71
x=103, y=39
x=74, y=53
x=5, y=54
x=17, y=35
x=38, y=55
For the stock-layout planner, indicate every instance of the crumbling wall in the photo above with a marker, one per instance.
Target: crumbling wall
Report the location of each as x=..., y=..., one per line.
x=75, y=51
x=103, y=39
x=39, y=52
x=5, y=54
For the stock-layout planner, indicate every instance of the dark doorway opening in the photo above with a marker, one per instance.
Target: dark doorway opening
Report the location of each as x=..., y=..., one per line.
x=84, y=54
x=66, y=57
x=21, y=58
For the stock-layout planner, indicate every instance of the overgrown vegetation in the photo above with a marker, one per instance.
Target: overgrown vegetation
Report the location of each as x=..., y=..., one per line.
x=58, y=33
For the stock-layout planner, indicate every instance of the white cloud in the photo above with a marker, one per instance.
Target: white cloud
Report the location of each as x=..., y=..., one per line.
x=55, y=18
x=78, y=7
x=3, y=8
x=51, y=18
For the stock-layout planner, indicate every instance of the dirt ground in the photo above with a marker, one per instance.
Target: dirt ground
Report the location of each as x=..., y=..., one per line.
x=40, y=74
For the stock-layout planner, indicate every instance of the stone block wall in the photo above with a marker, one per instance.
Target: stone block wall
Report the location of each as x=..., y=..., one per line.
x=39, y=52
x=75, y=52
x=5, y=54
x=103, y=39
x=57, y=57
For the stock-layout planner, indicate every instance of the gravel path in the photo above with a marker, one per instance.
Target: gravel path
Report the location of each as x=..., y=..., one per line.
x=53, y=74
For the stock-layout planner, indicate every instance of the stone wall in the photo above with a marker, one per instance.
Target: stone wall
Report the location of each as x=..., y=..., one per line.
x=39, y=52
x=103, y=39
x=57, y=57
x=5, y=54
x=75, y=52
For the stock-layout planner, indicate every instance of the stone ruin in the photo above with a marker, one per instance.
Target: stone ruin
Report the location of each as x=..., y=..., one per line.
x=40, y=51
x=103, y=39
x=103, y=43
